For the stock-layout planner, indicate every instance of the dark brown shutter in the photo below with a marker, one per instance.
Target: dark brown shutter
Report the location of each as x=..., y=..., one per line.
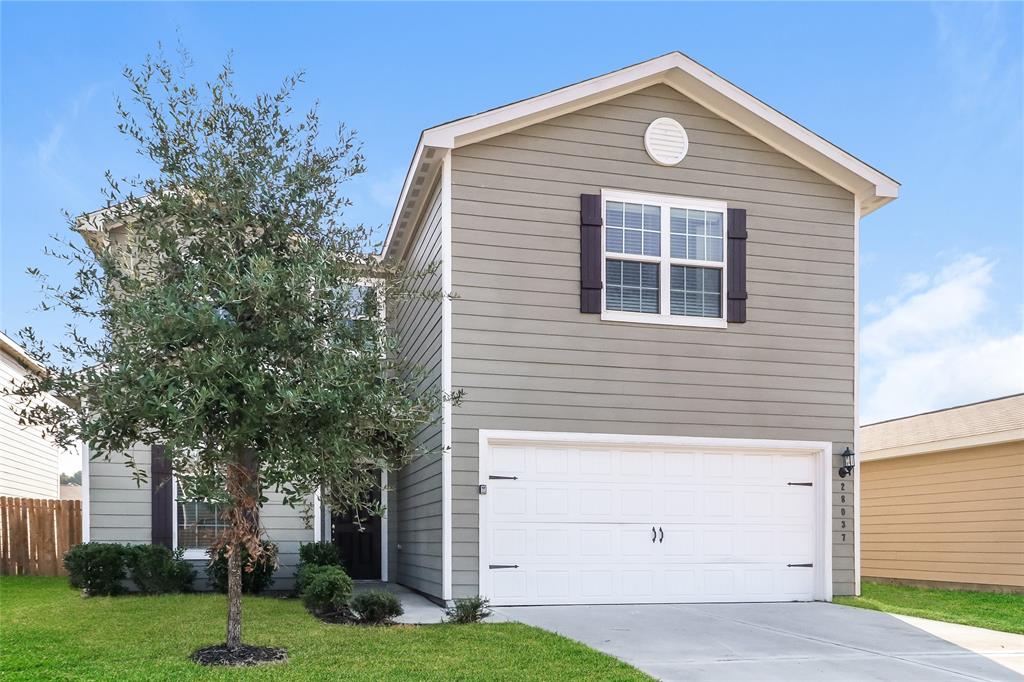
x=736, y=306
x=590, y=253
x=162, y=490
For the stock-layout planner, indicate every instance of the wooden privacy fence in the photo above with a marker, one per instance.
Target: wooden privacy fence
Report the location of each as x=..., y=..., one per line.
x=34, y=534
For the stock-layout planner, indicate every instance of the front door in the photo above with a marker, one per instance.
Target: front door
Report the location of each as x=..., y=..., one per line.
x=359, y=548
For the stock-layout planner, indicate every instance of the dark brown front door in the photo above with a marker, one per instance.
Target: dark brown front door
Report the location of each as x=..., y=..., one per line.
x=360, y=549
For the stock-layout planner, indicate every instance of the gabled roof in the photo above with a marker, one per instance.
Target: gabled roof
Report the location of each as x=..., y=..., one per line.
x=872, y=187
x=990, y=422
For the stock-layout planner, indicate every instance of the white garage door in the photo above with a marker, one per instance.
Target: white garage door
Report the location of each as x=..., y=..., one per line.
x=577, y=524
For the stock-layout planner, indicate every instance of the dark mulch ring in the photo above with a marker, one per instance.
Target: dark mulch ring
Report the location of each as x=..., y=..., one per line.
x=240, y=656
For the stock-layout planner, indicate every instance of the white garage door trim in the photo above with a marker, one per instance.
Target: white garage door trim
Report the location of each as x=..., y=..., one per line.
x=822, y=452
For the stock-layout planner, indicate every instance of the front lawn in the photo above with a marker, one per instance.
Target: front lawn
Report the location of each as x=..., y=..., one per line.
x=48, y=631
x=982, y=609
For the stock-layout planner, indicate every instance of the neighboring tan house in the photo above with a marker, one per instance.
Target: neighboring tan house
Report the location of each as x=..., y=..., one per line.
x=654, y=323
x=943, y=497
x=29, y=463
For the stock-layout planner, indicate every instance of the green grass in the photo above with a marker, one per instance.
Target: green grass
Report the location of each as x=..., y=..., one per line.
x=982, y=609
x=48, y=631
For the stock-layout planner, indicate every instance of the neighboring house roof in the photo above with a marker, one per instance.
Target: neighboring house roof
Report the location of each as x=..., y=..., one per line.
x=1000, y=420
x=10, y=348
x=872, y=188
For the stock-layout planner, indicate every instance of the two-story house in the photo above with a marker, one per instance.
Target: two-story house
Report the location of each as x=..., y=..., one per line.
x=653, y=315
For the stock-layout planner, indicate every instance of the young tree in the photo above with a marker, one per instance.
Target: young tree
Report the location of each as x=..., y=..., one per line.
x=236, y=327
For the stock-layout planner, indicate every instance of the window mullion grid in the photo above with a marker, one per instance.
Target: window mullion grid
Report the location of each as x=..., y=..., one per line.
x=665, y=264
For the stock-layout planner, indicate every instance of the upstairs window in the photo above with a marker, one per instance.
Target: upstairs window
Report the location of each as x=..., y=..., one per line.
x=664, y=259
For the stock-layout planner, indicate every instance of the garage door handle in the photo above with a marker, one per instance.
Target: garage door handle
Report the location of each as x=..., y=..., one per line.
x=503, y=566
x=662, y=538
x=654, y=534
x=799, y=565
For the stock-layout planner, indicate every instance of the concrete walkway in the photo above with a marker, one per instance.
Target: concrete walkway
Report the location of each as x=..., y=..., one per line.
x=788, y=641
x=418, y=609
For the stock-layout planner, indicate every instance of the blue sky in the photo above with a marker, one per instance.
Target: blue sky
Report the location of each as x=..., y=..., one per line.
x=930, y=94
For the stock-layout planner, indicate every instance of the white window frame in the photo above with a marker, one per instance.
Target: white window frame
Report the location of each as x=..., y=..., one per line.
x=665, y=261
x=191, y=553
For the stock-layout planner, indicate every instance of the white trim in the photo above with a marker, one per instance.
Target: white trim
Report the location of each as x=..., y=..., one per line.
x=872, y=187
x=856, y=394
x=823, y=500
x=665, y=261
x=446, y=377
x=384, y=526
x=694, y=80
x=86, y=487
x=410, y=172
x=191, y=553
x=318, y=516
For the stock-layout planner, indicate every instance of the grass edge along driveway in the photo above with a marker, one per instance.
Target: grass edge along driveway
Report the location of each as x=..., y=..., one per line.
x=49, y=631
x=992, y=610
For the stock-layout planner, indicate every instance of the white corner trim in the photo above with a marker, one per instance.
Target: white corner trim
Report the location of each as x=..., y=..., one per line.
x=318, y=516
x=384, y=569
x=856, y=394
x=446, y=377
x=86, y=486
x=823, y=500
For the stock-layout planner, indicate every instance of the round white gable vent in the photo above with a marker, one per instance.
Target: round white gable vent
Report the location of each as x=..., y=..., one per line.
x=666, y=141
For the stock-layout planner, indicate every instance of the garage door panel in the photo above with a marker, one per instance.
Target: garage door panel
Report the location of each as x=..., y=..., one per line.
x=638, y=584
x=630, y=525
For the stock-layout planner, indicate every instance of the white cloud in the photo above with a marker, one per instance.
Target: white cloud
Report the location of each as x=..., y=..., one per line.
x=983, y=73
x=48, y=148
x=930, y=347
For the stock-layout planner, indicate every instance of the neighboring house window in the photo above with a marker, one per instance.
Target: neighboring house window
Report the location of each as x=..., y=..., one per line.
x=197, y=524
x=664, y=259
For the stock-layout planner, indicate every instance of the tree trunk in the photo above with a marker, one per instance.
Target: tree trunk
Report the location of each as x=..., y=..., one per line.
x=241, y=483
x=235, y=596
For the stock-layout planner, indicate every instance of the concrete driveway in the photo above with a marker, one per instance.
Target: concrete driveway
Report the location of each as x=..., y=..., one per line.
x=789, y=641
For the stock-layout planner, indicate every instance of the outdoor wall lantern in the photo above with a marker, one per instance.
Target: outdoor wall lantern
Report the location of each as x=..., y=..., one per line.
x=848, y=463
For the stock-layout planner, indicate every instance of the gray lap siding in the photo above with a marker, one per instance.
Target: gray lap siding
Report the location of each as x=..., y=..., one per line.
x=121, y=511
x=415, y=516
x=529, y=360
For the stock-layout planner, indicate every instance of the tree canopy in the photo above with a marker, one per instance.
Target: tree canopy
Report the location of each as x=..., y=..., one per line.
x=241, y=316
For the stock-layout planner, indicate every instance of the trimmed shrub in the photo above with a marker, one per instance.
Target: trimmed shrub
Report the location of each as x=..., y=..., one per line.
x=376, y=607
x=319, y=554
x=326, y=590
x=253, y=581
x=155, y=569
x=305, y=573
x=97, y=568
x=468, y=610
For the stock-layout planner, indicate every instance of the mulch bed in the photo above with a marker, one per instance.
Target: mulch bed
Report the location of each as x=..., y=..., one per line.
x=346, y=617
x=241, y=656
x=342, y=617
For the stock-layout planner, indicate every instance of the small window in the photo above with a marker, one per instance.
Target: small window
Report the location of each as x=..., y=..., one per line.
x=697, y=235
x=696, y=292
x=632, y=286
x=664, y=259
x=198, y=523
x=633, y=229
